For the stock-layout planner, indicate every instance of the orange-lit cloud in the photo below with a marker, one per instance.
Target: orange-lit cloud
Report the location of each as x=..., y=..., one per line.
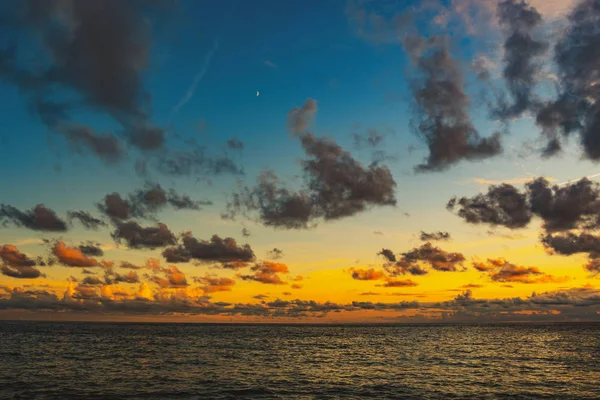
x=72, y=257
x=391, y=283
x=367, y=274
x=267, y=272
x=174, y=278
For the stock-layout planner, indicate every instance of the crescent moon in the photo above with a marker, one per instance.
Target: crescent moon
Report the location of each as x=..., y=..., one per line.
x=257, y=93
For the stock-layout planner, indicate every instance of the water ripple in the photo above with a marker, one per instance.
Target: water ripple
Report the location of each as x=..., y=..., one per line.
x=156, y=361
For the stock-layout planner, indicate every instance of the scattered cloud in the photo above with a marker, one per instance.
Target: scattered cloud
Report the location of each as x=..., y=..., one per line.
x=86, y=219
x=336, y=186
x=522, y=57
x=40, y=218
x=16, y=264
x=300, y=118
x=139, y=237
x=275, y=254
x=367, y=274
x=502, y=271
x=441, y=116
x=412, y=262
x=215, y=250
x=212, y=284
x=72, y=256
x=434, y=236
x=267, y=272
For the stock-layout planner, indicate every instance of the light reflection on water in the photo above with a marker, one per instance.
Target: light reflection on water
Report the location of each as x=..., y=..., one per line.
x=146, y=361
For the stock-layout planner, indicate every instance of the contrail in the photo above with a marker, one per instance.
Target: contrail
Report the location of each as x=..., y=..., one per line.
x=200, y=75
x=577, y=180
x=197, y=79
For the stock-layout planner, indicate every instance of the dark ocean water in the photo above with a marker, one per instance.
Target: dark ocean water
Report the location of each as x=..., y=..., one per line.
x=173, y=361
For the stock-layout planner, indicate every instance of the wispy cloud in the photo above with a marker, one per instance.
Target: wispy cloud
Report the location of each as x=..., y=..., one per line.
x=197, y=79
x=270, y=64
x=577, y=180
x=512, y=181
x=24, y=242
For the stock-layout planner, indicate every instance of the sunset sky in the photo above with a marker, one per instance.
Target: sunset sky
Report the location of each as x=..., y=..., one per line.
x=285, y=161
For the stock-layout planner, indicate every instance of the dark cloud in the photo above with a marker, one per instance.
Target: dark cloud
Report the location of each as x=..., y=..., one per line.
x=427, y=254
x=246, y=232
x=561, y=208
x=575, y=205
x=195, y=160
x=235, y=143
x=40, y=218
x=335, y=184
x=576, y=108
x=138, y=237
x=434, y=236
x=340, y=185
x=521, y=56
x=275, y=254
x=267, y=272
x=147, y=137
x=184, y=202
x=215, y=250
x=91, y=249
x=98, y=50
x=114, y=206
x=501, y=205
x=300, y=118
x=593, y=266
x=503, y=271
x=92, y=281
x=82, y=139
x=437, y=258
x=388, y=254
x=152, y=198
x=441, y=108
x=20, y=272
x=571, y=243
x=72, y=256
x=212, y=284
x=146, y=202
x=86, y=219
x=276, y=206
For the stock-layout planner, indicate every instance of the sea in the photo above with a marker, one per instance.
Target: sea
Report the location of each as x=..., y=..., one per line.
x=46, y=360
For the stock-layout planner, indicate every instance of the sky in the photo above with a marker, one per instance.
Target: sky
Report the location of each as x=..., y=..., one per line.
x=269, y=161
